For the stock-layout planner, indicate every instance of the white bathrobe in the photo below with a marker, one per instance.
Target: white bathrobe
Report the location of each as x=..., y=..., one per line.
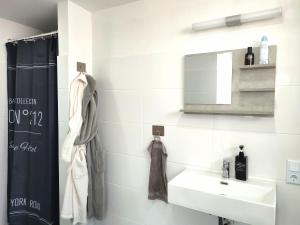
x=76, y=192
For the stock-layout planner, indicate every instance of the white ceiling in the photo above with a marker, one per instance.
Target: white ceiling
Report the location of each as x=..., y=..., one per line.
x=42, y=14
x=95, y=5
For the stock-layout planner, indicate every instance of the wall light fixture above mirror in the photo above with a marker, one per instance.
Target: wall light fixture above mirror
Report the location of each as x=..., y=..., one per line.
x=237, y=20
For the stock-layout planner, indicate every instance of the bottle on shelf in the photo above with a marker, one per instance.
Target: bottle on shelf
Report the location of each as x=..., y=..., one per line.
x=249, y=57
x=264, y=50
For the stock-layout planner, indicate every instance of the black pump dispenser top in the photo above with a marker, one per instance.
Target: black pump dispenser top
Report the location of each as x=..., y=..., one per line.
x=241, y=154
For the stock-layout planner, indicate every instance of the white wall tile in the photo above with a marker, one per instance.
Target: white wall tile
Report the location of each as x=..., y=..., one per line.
x=287, y=204
x=158, y=213
x=128, y=136
x=75, y=45
x=163, y=71
x=3, y=197
x=63, y=129
x=79, y=33
x=144, y=34
x=287, y=109
x=245, y=123
x=3, y=90
x=4, y=144
x=189, y=146
x=271, y=149
x=162, y=106
x=287, y=69
x=121, y=73
x=93, y=221
x=151, y=71
x=196, y=120
x=63, y=166
x=138, y=53
x=120, y=106
x=173, y=169
x=133, y=172
x=3, y=171
x=62, y=72
x=63, y=105
x=284, y=121
x=134, y=206
x=13, y=30
x=127, y=203
x=115, y=220
x=128, y=171
x=181, y=215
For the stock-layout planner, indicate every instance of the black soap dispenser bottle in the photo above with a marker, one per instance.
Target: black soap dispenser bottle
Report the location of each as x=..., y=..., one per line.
x=249, y=57
x=241, y=165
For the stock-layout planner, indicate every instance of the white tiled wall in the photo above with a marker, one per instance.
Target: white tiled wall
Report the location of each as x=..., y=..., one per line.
x=75, y=45
x=9, y=30
x=63, y=87
x=138, y=50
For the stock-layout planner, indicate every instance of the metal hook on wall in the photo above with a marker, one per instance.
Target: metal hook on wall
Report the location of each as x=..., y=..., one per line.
x=157, y=136
x=157, y=132
x=81, y=67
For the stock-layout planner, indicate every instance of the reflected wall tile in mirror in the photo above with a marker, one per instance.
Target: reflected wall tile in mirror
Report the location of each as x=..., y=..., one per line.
x=208, y=78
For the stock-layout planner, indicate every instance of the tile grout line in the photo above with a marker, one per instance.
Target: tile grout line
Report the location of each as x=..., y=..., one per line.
x=190, y=166
x=170, y=89
x=194, y=127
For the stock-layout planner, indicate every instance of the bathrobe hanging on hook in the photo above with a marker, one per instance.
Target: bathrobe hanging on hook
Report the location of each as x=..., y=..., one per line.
x=76, y=191
x=84, y=195
x=89, y=136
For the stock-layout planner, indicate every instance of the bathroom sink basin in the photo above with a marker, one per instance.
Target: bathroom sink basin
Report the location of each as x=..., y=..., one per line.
x=251, y=202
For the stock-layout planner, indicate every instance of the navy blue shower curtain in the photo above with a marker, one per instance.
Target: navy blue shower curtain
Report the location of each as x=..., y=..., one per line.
x=33, y=186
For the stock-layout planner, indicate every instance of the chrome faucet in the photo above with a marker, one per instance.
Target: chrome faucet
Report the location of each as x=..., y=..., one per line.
x=225, y=169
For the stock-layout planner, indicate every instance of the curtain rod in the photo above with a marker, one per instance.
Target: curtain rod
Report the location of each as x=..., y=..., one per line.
x=34, y=36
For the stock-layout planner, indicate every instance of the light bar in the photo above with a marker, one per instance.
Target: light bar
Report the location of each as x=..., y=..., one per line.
x=236, y=20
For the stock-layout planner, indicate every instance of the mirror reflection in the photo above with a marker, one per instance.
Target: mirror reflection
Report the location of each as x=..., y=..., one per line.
x=208, y=78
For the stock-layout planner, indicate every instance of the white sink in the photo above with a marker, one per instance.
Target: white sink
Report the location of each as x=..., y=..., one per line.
x=248, y=202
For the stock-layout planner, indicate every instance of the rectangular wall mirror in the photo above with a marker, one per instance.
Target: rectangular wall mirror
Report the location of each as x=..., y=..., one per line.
x=208, y=78
x=220, y=83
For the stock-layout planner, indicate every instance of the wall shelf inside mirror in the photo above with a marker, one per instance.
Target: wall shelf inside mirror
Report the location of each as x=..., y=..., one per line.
x=258, y=66
x=254, y=89
x=245, y=112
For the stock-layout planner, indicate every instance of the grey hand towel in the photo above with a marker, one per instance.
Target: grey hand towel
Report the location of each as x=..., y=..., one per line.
x=95, y=157
x=158, y=182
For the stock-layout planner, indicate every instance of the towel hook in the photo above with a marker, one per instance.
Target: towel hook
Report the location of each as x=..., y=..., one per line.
x=157, y=136
x=81, y=67
x=157, y=132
